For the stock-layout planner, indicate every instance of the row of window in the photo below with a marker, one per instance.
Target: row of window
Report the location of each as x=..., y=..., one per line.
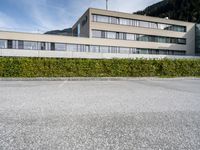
x=137, y=23
x=29, y=45
x=136, y=37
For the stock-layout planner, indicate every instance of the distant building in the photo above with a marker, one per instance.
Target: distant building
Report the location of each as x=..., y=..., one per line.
x=197, y=39
x=103, y=31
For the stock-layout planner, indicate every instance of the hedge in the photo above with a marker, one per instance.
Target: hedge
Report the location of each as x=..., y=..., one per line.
x=53, y=67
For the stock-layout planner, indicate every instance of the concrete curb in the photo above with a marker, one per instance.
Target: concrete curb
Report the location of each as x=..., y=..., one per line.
x=96, y=79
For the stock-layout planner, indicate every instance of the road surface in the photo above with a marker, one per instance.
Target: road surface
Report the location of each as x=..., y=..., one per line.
x=141, y=114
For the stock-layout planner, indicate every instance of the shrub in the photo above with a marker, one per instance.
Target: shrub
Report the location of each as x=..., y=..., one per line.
x=60, y=67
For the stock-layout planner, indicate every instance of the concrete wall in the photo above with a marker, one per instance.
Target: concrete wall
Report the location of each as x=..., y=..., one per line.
x=65, y=54
x=84, y=28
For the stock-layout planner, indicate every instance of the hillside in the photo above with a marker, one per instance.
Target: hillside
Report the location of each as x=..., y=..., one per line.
x=66, y=32
x=185, y=10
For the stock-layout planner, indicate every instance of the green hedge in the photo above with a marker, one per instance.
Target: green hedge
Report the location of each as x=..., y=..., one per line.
x=52, y=67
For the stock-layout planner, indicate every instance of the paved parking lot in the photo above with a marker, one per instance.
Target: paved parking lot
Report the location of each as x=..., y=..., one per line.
x=107, y=115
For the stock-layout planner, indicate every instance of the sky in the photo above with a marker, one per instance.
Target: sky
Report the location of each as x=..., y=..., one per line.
x=44, y=15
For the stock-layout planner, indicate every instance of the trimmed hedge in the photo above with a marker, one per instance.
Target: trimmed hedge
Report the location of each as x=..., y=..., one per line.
x=53, y=67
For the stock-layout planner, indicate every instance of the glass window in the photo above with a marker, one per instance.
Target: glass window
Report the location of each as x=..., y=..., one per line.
x=163, y=52
x=143, y=51
x=138, y=23
x=94, y=49
x=132, y=51
x=96, y=33
x=94, y=18
x=111, y=35
x=81, y=48
x=60, y=47
x=79, y=30
x=124, y=21
x=114, y=20
x=103, y=19
x=52, y=46
x=9, y=44
x=131, y=37
x=86, y=48
x=122, y=36
x=30, y=45
x=179, y=52
x=20, y=44
x=42, y=46
x=144, y=24
x=181, y=41
x=2, y=43
x=162, y=40
x=124, y=50
x=72, y=47
x=114, y=49
x=153, y=25
x=104, y=49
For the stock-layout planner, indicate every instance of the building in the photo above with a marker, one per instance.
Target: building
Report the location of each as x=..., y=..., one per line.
x=114, y=33
x=197, y=38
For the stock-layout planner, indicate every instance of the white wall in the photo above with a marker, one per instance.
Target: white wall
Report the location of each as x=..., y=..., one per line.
x=65, y=54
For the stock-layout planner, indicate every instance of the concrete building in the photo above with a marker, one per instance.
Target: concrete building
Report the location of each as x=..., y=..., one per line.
x=109, y=32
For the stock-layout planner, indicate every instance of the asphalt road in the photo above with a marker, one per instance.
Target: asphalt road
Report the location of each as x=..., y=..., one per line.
x=105, y=115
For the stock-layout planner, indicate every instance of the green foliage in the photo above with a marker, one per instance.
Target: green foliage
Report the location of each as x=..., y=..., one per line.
x=186, y=10
x=52, y=67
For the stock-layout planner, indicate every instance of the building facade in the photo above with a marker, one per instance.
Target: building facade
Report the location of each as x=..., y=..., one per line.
x=102, y=31
x=197, y=38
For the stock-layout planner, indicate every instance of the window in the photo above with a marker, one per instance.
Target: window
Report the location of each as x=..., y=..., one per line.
x=162, y=40
x=179, y=52
x=79, y=30
x=163, y=52
x=132, y=51
x=131, y=37
x=43, y=47
x=30, y=45
x=181, y=41
x=96, y=33
x=138, y=23
x=114, y=20
x=144, y=51
x=104, y=49
x=87, y=48
x=60, y=47
x=2, y=43
x=111, y=35
x=72, y=47
x=124, y=21
x=124, y=50
x=94, y=49
x=102, y=19
x=9, y=44
x=122, y=36
x=84, y=21
x=52, y=46
x=114, y=49
x=153, y=25
x=144, y=24
x=20, y=44
x=80, y=48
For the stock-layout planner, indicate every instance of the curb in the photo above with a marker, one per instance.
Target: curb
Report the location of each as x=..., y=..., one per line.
x=97, y=79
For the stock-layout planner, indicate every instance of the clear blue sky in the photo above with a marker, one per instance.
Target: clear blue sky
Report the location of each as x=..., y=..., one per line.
x=44, y=15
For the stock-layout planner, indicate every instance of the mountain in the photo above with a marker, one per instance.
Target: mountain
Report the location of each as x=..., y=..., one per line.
x=66, y=32
x=185, y=10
